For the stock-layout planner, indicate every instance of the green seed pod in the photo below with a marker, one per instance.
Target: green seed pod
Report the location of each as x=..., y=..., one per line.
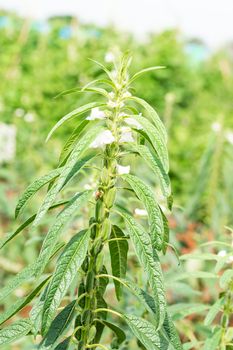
x=85, y=264
x=106, y=229
x=99, y=262
x=99, y=210
x=86, y=317
x=91, y=334
x=92, y=221
x=81, y=291
x=110, y=197
x=104, y=176
x=78, y=323
x=90, y=281
x=81, y=345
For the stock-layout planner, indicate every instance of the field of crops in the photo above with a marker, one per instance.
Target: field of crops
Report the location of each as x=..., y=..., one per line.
x=193, y=96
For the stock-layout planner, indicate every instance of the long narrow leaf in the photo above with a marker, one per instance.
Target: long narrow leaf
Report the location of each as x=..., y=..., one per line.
x=15, y=331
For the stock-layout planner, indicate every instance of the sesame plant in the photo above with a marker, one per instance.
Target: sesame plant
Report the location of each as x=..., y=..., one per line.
x=70, y=308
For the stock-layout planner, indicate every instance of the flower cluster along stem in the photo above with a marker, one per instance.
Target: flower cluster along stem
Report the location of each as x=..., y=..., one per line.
x=100, y=227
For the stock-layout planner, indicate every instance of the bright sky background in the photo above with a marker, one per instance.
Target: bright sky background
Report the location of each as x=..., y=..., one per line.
x=211, y=20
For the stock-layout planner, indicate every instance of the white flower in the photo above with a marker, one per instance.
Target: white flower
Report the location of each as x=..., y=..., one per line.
x=19, y=112
x=126, y=94
x=114, y=104
x=111, y=95
x=109, y=57
x=216, y=127
x=123, y=169
x=140, y=212
x=230, y=259
x=222, y=253
x=96, y=114
x=126, y=135
x=104, y=138
x=7, y=142
x=133, y=122
x=29, y=117
x=229, y=137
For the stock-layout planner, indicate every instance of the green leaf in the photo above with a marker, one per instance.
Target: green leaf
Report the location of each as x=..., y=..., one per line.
x=149, y=303
x=15, y=331
x=24, y=275
x=156, y=139
x=103, y=68
x=64, y=345
x=75, y=155
x=153, y=114
x=166, y=232
x=12, y=235
x=61, y=221
x=149, y=261
x=70, y=142
x=199, y=256
x=76, y=112
x=213, y=342
x=213, y=311
x=146, y=333
x=155, y=164
x=118, y=253
x=145, y=195
x=145, y=70
x=226, y=278
x=181, y=310
x=21, y=303
x=67, y=266
x=58, y=327
x=117, y=330
x=34, y=187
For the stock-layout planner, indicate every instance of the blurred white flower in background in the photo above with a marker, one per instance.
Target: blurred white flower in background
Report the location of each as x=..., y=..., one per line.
x=229, y=137
x=7, y=142
x=19, y=112
x=104, y=138
x=140, y=212
x=96, y=113
x=216, y=127
x=121, y=169
x=126, y=94
x=29, y=117
x=222, y=253
x=109, y=57
x=126, y=135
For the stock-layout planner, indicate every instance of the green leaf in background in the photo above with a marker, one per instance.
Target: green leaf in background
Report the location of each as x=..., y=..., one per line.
x=34, y=187
x=146, y=333
x=213, y=311
x=21, y=303
x=75, y=155
x=12, y=235
x=118, y=253
x=15, y=331
x=155, y=164
x=64, y=345
x=149, y=261
x=61, y=221
x=67, y=266
x=73, y=114
x=213, y=342
x=145, y=195
x=58, y=327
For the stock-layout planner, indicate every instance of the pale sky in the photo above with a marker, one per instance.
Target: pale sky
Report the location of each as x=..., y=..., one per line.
x=211, y=20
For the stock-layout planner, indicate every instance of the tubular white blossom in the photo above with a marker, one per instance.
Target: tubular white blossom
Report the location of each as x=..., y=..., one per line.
x=96, y=113
x=126, y=135
x=133, y=122
x=7, y=142
x=140, y=212
x=222, y=253
x=114, y=104
x=109, y=57
x=126, y=94
x=121, y=169
x=104, y=138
